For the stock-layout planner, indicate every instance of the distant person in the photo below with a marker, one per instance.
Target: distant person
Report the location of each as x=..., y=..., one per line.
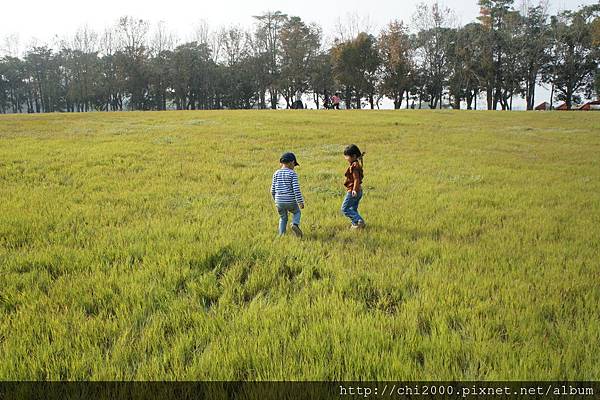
x=335, y=100
x=285, y=190
x=298, y=105
x=353, y=183
x=327, y=102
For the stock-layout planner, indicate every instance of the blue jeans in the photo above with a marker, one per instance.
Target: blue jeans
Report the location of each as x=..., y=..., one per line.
x=350, y=206
x=283, y=210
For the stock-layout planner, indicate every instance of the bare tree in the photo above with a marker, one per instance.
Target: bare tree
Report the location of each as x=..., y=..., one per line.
x=162, y=39
x=133, y=34
x=234, y=44
x=268, y=40
x=395, y=49
x=351, y=25
x=204, y=35
x=85, y=40
x=109, y=43
x=433, y=23
x=11, y=45
x=201, y=34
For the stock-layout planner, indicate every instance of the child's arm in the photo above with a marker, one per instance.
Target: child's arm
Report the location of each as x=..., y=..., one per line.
x=356, y=176
x=297, y=192
x=273, y=187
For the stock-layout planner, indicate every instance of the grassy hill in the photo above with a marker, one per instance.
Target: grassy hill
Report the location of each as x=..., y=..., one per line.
x=144, y=246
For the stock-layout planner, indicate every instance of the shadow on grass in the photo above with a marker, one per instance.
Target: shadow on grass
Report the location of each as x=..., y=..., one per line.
x=342, y=232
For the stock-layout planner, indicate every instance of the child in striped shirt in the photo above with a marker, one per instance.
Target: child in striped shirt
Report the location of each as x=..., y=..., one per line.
x=285, y=190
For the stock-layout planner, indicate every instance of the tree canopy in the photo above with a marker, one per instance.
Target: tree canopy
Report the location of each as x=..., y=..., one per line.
x=430, y=60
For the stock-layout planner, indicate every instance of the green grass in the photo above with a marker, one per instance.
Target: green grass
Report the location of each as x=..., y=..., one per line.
x=143, y=246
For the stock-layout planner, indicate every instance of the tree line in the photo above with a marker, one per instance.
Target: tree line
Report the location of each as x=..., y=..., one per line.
x=505, y=54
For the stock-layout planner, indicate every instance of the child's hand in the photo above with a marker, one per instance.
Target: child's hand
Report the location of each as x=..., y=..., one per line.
x=302, y=206
x=354, y=193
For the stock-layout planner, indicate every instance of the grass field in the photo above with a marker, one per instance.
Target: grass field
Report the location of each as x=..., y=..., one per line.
x=144, y=246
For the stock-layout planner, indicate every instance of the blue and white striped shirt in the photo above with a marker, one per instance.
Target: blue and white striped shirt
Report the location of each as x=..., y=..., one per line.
x=286, y=188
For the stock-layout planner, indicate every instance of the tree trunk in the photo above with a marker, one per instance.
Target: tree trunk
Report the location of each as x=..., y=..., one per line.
x=497, y=98
x=469, y=100
x=348, y=99
x=531, y=94
x=398, y=100
x=273, y=93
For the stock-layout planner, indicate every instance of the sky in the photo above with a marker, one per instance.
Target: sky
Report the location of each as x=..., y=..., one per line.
x=46, y=20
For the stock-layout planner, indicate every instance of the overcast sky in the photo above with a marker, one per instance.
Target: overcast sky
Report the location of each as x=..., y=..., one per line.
x=44, y=19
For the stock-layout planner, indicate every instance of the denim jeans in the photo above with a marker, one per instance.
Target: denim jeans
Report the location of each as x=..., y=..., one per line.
x=283, y=210
x=350, y=206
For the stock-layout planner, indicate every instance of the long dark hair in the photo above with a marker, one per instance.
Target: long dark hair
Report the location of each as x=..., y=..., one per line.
x=353, y=150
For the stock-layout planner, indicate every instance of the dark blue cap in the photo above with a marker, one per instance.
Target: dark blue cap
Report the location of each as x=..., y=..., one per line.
x=288, y=157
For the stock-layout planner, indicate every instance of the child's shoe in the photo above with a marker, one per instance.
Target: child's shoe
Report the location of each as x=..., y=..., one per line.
x=296, y=230
x=359, y=225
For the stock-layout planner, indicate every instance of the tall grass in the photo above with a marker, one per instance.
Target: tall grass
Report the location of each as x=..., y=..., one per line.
x=144, y=246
